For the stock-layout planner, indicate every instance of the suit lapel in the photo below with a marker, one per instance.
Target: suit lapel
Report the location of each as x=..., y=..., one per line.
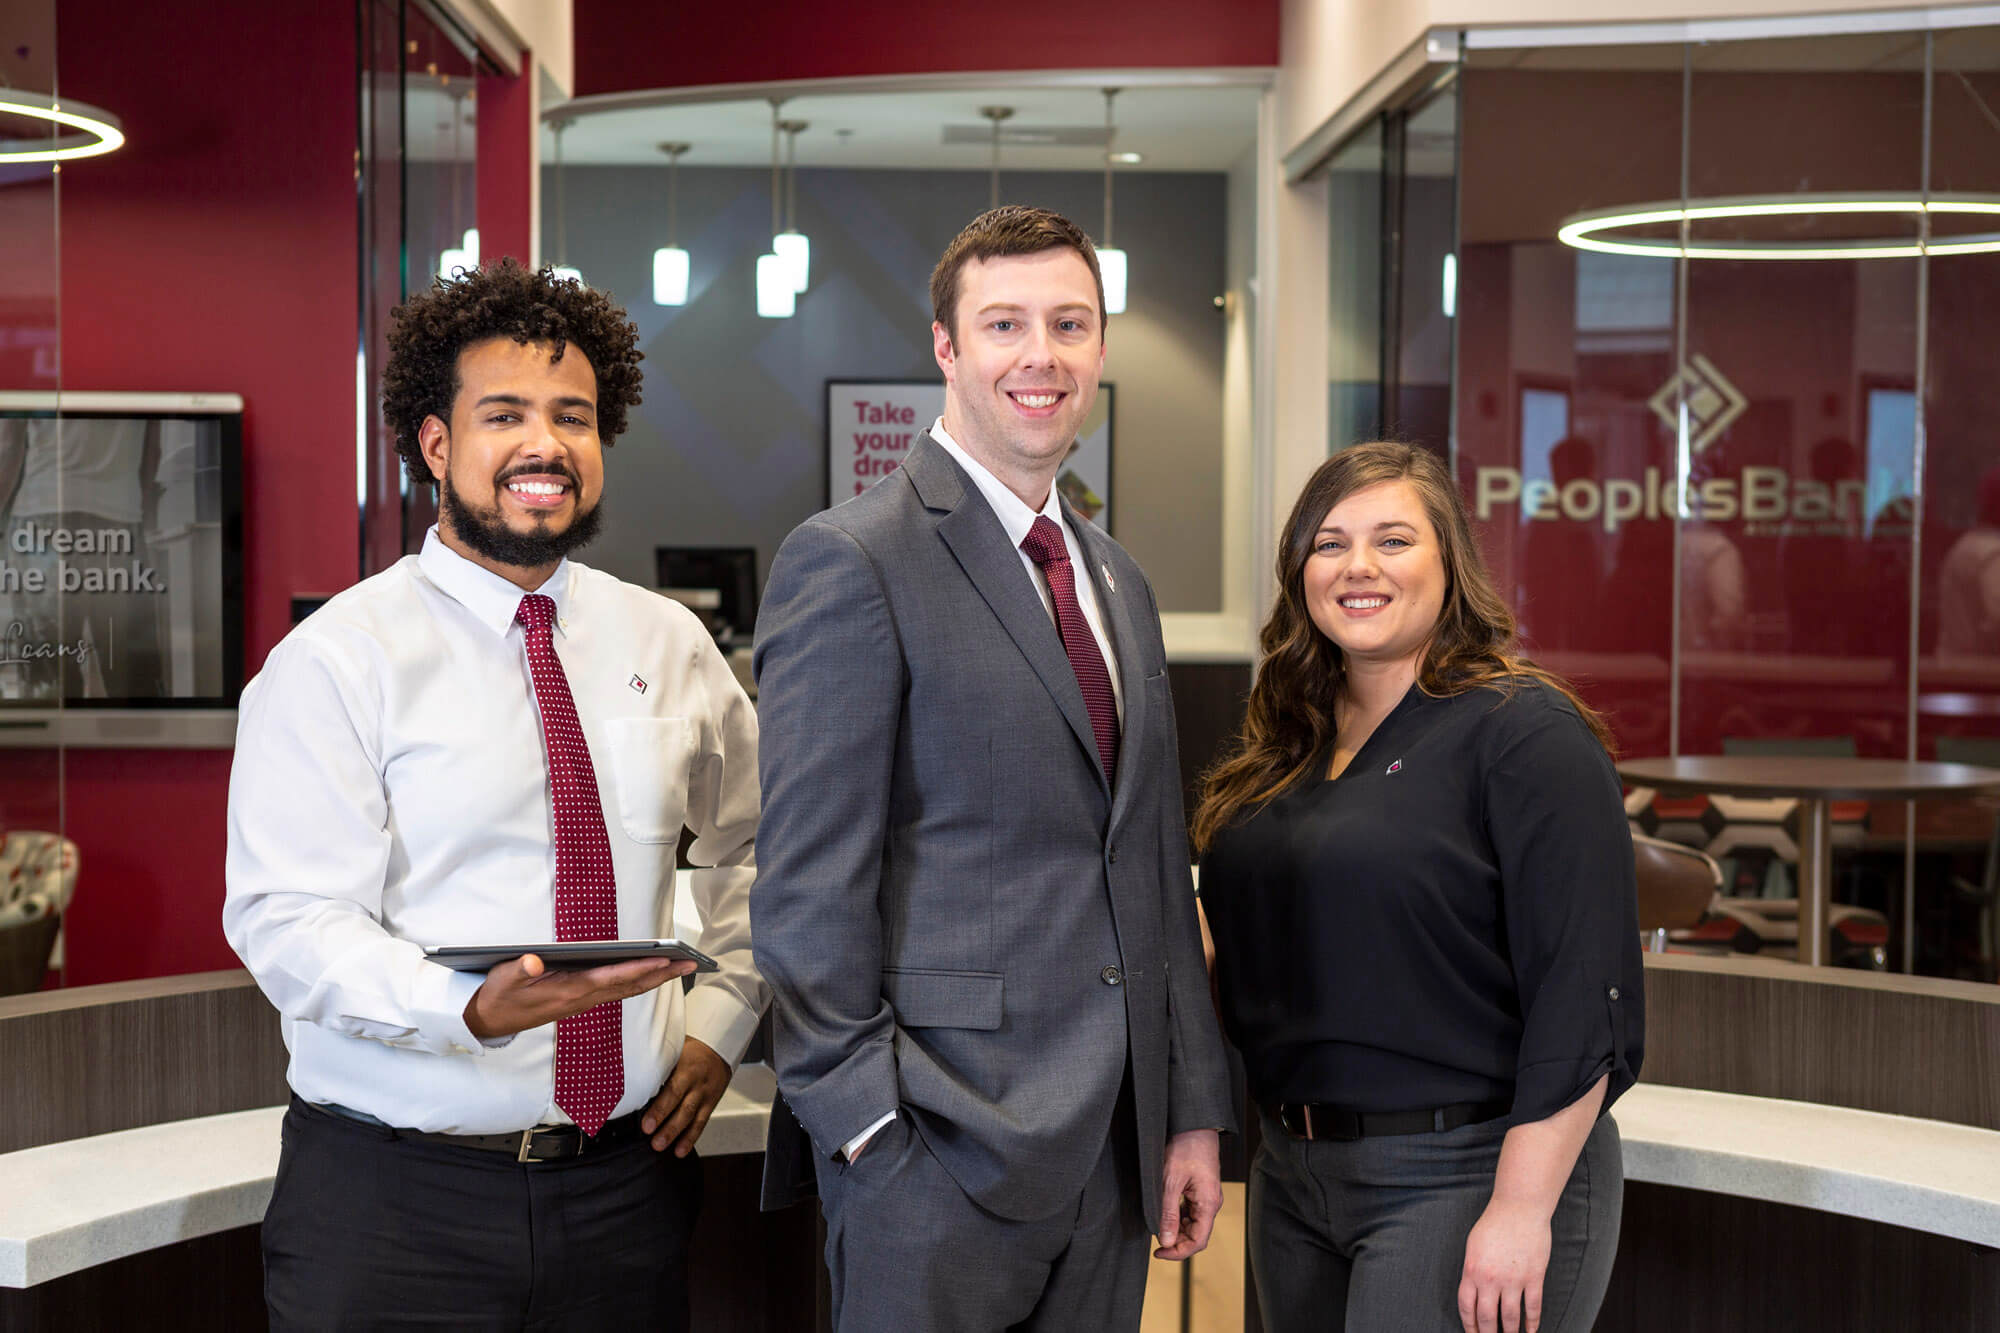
x=1126, y=644
x=979, y=544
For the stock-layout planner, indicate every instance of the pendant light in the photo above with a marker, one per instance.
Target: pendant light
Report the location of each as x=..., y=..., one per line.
x=1110, y=260
x=561, y=269
x=996, y=114
x=777, y=298
x=791, y=244
x=670, y=262
x=96, y=132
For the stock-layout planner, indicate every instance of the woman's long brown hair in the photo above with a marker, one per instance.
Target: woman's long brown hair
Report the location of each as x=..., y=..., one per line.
x=1291, y=715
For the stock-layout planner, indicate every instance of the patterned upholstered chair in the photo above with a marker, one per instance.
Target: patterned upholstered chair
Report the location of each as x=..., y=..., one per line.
x=37, y=879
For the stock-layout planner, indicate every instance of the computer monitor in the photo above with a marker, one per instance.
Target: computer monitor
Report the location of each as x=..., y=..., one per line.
x=729, y=571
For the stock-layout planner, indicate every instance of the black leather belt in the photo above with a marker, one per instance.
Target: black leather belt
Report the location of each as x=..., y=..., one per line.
x=1314, y=1120
x=543, y=1143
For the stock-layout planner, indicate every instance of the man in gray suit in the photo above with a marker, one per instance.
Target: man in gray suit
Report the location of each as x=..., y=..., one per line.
x=973, y=901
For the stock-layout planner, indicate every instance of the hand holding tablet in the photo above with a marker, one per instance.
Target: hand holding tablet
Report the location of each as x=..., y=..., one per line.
x=523, y=990
x=569, y=955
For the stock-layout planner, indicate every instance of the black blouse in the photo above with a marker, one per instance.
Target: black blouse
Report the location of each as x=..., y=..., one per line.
x=1452, y=919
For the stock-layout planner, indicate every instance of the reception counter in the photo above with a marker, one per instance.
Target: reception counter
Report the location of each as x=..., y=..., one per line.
x=1809, y=1148
x=139, y=1133
x=68, y=1206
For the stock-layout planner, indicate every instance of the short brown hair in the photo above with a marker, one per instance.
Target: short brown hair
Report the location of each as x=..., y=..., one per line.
x=1012, y=229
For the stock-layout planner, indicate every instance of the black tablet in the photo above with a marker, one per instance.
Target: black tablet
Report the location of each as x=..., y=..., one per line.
x=568, y=956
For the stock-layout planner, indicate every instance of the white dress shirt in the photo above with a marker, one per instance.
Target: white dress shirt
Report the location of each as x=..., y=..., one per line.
x=390, y=792
x=1016, y=518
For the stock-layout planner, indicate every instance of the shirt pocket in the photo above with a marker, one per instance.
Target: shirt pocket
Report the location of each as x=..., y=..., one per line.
x=649, y=759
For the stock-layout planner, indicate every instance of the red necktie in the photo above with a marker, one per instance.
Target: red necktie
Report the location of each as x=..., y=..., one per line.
x=1044, y=545
x=590, y=1064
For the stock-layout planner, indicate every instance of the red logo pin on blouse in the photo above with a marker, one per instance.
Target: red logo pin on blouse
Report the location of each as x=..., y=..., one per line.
x=1396, y=767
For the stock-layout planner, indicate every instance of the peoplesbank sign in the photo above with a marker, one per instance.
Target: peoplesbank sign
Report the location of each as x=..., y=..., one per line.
x=1756, y=495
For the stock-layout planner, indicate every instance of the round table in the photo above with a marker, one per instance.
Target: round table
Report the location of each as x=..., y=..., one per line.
x=1816, y=782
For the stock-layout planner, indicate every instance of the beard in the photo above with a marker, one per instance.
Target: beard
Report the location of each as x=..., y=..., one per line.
x=486, y=533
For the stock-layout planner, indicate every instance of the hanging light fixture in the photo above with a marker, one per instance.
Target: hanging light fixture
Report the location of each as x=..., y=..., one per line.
x=98, y=132
x=996, y=114
x=561, y=269
x=776, y=297
x=1110, y=260
x=791, y=244
x=670, y=262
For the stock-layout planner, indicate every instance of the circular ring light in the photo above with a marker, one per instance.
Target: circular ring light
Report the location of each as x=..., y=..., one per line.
x=99, y=131
x=1585, y=231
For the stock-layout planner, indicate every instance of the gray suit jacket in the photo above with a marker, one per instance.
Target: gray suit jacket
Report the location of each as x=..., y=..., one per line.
x=945, y=882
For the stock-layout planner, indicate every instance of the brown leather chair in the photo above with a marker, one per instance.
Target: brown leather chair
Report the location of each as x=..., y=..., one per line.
x=1676, y=887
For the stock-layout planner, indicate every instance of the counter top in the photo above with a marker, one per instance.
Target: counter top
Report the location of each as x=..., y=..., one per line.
x=72, y=1205
x=1923, y=1174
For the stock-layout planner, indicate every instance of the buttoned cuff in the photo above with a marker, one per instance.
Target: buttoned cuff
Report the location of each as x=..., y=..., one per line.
x=438, y=1004
x=721, y=1021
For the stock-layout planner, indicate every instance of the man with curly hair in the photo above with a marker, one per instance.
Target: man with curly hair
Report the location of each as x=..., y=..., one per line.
x=488, y=743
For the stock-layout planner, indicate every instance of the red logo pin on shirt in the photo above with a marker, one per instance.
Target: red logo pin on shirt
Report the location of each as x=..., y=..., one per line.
x=638, y=685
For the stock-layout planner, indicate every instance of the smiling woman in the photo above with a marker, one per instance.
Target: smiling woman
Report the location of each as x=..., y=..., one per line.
x=1432, y=1021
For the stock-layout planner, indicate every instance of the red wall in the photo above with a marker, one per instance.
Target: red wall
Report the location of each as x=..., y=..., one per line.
x=215, y=252
x=622, y=46
x=506, y=169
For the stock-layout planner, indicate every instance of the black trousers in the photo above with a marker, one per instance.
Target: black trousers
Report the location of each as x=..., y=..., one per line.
x=369, y=1231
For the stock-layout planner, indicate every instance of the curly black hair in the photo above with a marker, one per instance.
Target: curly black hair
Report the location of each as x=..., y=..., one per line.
x=503, y=300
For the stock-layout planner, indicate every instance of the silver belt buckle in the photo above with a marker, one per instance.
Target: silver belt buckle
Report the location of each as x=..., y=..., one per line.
x=526, y=1152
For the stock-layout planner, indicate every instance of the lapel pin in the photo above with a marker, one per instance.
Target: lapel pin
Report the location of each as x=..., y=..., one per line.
x=638, y=685
x=1110, y=584
x=1396, y=767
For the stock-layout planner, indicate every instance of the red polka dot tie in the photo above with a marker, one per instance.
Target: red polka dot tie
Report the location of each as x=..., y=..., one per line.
x=590, y=1065
x=1044, y=545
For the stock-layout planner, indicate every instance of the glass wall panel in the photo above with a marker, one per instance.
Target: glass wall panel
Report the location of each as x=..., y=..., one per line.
x=379, y=479
x=31, y=607
x=1958, y=663
x=1721, y=387
x=1354, y=341
x=1564, y=450
x=1421, y=185
x=419, y=218
x=1798, y=385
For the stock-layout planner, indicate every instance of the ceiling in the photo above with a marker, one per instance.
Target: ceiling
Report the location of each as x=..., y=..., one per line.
x=1052, y=129
x=1966, y=49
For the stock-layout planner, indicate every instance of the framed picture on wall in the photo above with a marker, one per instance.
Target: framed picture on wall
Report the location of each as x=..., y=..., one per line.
x=871, y=424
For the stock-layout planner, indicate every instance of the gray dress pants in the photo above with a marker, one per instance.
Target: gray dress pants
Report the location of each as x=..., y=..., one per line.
x=909, y=1252
x=1369, y=1236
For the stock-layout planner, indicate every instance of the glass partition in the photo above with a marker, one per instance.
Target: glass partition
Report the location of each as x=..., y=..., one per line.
x=32, y=876
x=419, y=205
x=1957, y=532
x=1720, y=400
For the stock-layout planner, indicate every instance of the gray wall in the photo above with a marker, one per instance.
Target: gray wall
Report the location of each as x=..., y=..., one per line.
x=728, y=448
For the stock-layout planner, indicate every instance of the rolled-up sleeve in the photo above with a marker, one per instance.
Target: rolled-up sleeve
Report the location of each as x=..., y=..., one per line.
x=1557, y=826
